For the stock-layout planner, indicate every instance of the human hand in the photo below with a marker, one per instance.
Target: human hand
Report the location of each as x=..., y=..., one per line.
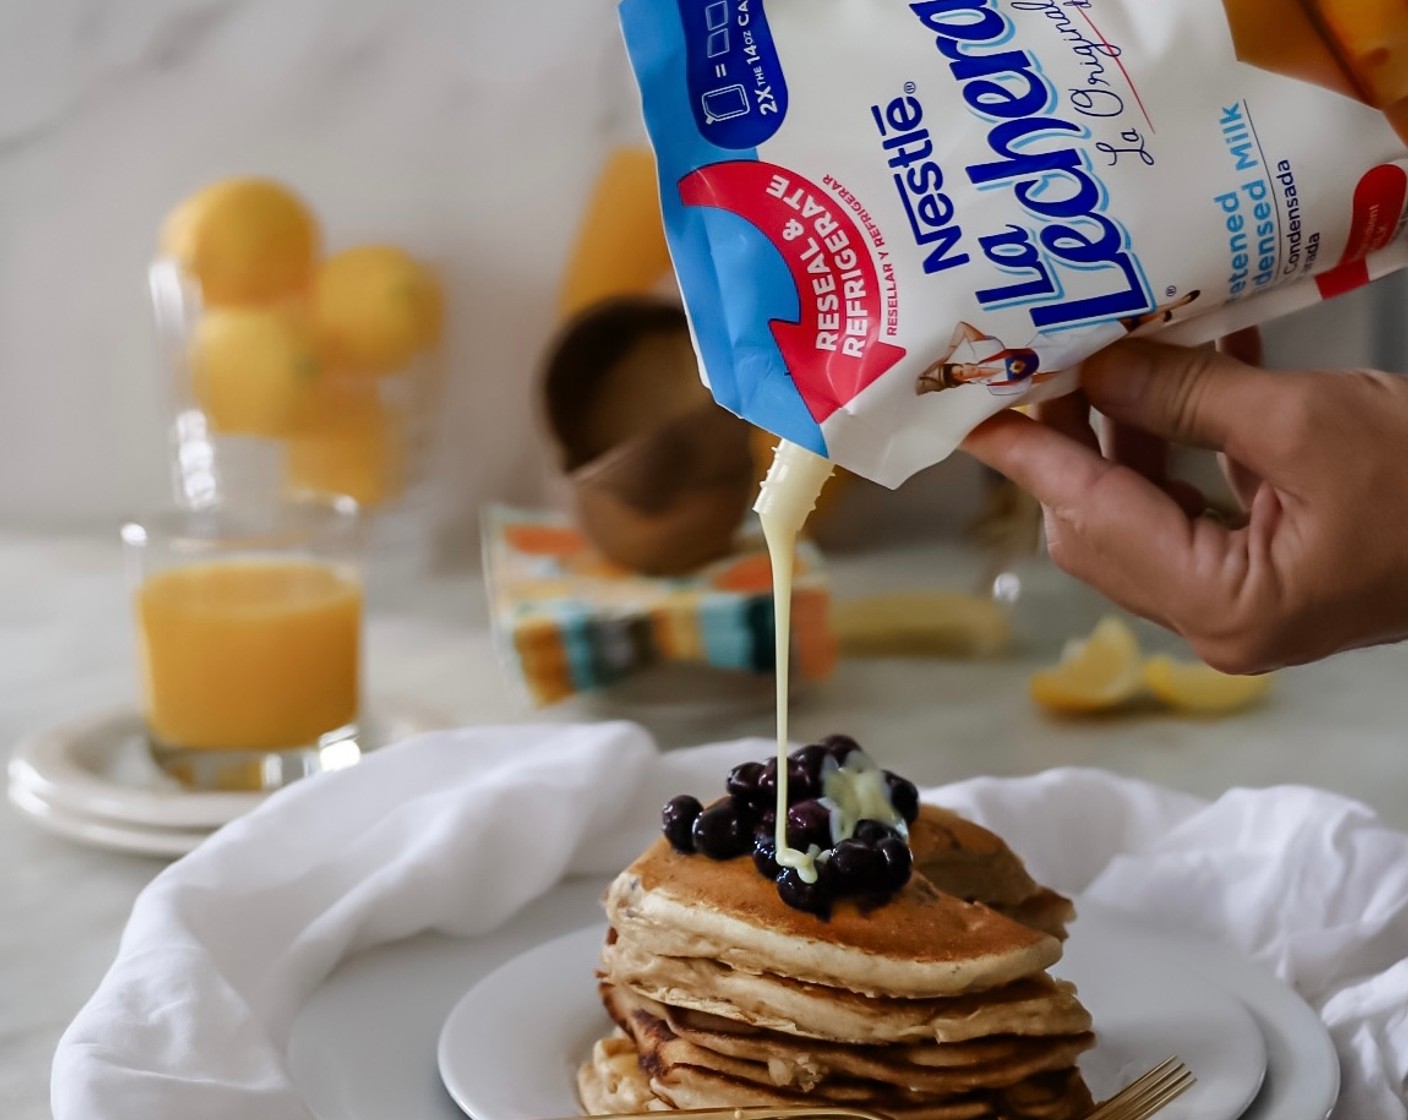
x=1319, y=560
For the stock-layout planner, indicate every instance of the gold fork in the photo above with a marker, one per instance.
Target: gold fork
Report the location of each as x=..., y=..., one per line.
x=1138, y=1100
x=1146, y=1095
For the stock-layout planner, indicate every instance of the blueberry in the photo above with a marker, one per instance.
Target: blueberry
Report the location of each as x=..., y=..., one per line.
x=800, y=784
x=720, y=833
x=839, y=747
x=809, y=822
x=743, y=782
x=814, y=898
x=767, y=783
x=811, y=759
x=767, y=820
x=904, y=796
x=746, y=810
x=859, y=869
x=677, y=821
x=898, y=861
x=765, y=855
x=873, y=832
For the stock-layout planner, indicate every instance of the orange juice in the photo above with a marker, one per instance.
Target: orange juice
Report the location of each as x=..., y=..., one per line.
x=249, y=654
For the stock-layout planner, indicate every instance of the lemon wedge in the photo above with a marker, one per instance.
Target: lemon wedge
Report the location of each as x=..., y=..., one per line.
x=1098, y=672
x=1191, y=686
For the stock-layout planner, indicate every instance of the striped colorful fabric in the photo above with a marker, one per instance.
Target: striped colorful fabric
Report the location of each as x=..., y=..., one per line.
x=567, y=620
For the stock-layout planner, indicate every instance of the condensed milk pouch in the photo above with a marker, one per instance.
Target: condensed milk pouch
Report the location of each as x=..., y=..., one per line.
x=892, y=219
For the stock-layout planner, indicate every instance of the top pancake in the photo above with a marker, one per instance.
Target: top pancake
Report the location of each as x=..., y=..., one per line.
x=919, y=943
x=964, y=859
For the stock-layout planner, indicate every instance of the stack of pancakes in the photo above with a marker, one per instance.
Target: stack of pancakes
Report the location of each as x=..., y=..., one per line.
x=933, y=1005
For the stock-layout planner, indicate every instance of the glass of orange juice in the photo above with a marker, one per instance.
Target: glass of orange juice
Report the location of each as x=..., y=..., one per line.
x=249, y=625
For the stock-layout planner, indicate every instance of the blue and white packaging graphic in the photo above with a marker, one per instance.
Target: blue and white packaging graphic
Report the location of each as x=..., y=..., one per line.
x=891, y=220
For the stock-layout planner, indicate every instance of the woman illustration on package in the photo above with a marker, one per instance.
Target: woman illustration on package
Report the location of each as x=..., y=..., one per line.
x=975, y=358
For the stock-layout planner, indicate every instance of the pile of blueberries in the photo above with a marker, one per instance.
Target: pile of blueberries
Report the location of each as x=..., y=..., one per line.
x=873, y=863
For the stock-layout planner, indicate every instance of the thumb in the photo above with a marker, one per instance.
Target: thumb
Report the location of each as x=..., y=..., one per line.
x=1196, y=397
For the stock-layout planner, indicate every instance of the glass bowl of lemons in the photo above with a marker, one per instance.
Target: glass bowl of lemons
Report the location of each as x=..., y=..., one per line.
x=295, y=371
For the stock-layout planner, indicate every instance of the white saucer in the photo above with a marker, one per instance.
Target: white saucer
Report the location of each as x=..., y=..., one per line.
x=100, y=767
x=94, y=780
x=167, y=843
x=1147, y=1005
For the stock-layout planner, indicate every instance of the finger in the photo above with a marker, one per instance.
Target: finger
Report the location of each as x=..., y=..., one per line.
x=1189, y=396
x=1108, y=526
x=1136, y=449
x=1244, y=481
x=1069, y=415
x=1021, y=448
x=1055, y=468
x=1244, y=345
x=1192, y=501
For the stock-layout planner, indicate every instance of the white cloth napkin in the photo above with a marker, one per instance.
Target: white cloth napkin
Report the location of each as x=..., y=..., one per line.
x=456, y=831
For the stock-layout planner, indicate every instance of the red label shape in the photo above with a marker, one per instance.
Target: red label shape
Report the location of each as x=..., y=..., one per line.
x=834, y=350
x=1378, y=205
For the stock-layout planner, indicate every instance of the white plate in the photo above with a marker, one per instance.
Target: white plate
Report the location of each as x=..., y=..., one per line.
x=1302, y=1068
x=363, y=1046
x=1146, y=1006
x=166, y=843
x=98, y=768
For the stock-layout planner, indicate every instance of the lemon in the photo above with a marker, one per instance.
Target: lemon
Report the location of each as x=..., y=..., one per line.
x=178, y=232
x=244, y=240
x=354, y=445
x=1194, y=687
x=375, y=307
x=254, y=370
x=1099, y=672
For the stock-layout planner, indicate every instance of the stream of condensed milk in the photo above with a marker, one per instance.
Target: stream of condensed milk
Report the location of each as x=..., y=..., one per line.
x=788, y=496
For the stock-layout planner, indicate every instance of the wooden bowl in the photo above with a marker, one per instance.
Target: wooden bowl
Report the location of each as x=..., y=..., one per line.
x=661, y=475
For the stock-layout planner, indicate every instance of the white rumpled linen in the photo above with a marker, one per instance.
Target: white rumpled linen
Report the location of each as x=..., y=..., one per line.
x=455, y=831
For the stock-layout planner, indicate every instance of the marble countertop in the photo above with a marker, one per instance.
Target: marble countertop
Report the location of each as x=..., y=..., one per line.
x=65, y=651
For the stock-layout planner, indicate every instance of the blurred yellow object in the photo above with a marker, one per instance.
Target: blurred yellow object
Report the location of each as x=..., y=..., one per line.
x=1098, y=672
x=374, y=308
x=254, y=370
x=931, y=623
x=620, y=248
x=1192, y=686
x=245, y=241
x=1371, y=41
x=354, y=445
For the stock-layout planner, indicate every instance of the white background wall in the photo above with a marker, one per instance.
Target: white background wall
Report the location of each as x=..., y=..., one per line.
x=466, y=129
